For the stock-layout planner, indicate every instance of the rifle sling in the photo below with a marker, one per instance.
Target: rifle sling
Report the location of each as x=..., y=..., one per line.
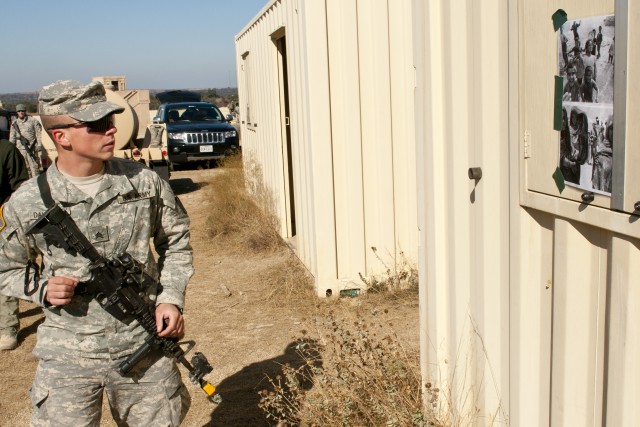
x=63, y=220
x=45, y=190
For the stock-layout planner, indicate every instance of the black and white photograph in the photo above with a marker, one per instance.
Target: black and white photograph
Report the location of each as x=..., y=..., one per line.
x=586, y=59
x=586, y=149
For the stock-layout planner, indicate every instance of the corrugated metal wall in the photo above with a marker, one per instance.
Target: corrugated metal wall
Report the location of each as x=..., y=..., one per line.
x=462, y=110
x=574, y=325
x=528, y=301
x=350, y=81
x=528, y=306
x=574, y=334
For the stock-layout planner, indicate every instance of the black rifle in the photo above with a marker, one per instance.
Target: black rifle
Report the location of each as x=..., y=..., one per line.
x=116, y=284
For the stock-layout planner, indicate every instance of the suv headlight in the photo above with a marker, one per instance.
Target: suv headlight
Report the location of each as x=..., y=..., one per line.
x=230, y=134
x=178, y=135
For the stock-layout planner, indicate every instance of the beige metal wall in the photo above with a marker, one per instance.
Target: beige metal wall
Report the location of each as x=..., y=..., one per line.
x=575, y=342
x=350, y=80
x=528, y=304
x=462, y=111
x=528, y=301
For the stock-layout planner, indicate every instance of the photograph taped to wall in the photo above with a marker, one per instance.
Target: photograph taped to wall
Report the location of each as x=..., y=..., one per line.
x=586, y=149
x=586, y=62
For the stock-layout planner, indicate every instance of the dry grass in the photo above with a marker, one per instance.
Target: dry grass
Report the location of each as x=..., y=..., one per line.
x=288, y=282
x=398, y=280
x=357, y=373
x=355, y=370
x=236, y=221
x=242, y=221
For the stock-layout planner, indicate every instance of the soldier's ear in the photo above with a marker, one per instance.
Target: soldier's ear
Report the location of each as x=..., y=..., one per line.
x=59, y=136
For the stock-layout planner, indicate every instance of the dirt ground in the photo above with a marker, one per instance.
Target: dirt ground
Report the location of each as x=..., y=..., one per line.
x=244, y=335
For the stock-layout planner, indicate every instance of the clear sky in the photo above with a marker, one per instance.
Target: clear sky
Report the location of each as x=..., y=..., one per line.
x=155, y=44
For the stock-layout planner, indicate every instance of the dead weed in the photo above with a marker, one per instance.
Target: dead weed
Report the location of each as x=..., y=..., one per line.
x=357, y=371
x=236, y=221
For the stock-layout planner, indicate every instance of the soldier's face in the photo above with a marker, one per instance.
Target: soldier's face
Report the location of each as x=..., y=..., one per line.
x=92, y=145
x=21, y=114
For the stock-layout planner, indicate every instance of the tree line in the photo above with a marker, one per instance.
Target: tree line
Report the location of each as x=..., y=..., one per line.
x=221, y=97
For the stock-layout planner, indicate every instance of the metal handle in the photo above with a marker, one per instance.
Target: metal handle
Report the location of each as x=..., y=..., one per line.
x=587, y=197
x=475, y=173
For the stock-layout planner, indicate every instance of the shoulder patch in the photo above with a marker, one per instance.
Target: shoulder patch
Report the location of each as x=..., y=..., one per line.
x=3, y=224
x=6, y=229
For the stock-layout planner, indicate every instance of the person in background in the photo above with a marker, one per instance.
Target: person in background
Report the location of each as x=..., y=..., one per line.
x=589, y=88
x=589, y=60
x=13, y=172
x=122, y=207
x=601, y=177
x=571, y=90
x=569, y=167
x=25, y=134
x=574, y=28
x=578, y=63
x=612, y=51
x=574, y=144
x=592, y=46
x=563, y=44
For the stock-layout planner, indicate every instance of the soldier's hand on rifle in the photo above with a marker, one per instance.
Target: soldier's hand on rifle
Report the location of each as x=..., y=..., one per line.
x=169, y=321
x=60, y=290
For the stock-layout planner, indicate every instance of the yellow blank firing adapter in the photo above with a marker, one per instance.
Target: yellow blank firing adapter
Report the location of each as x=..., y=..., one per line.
x=208, y=388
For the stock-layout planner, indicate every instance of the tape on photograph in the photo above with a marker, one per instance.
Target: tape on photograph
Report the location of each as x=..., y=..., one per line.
x=559, y=18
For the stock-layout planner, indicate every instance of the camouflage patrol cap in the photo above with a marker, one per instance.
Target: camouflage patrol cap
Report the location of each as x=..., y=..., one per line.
x=21, y=107
x=85, y=103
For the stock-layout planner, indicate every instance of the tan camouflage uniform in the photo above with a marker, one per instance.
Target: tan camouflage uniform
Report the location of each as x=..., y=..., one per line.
x=13, y=172
x=9, y=322
x=31, y=130
x=80, y=345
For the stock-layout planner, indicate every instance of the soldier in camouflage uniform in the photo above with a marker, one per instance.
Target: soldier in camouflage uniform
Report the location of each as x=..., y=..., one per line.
x=25, y=133
x=13, y=172
x=120, y=206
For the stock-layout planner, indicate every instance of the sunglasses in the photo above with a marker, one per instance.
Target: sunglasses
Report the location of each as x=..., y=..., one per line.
x=97, y=126
x=21, y=111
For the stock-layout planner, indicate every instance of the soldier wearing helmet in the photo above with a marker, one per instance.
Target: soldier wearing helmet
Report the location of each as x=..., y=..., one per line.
x=25, y=134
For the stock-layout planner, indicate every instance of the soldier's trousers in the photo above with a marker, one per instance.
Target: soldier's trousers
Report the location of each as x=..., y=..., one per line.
x=8, y=315
x=68, y=391
x=33, y=166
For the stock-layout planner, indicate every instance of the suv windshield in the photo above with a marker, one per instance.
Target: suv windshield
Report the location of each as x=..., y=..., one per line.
x=200, y=113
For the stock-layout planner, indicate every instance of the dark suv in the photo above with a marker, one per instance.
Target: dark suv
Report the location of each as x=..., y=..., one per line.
x=196, y=131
